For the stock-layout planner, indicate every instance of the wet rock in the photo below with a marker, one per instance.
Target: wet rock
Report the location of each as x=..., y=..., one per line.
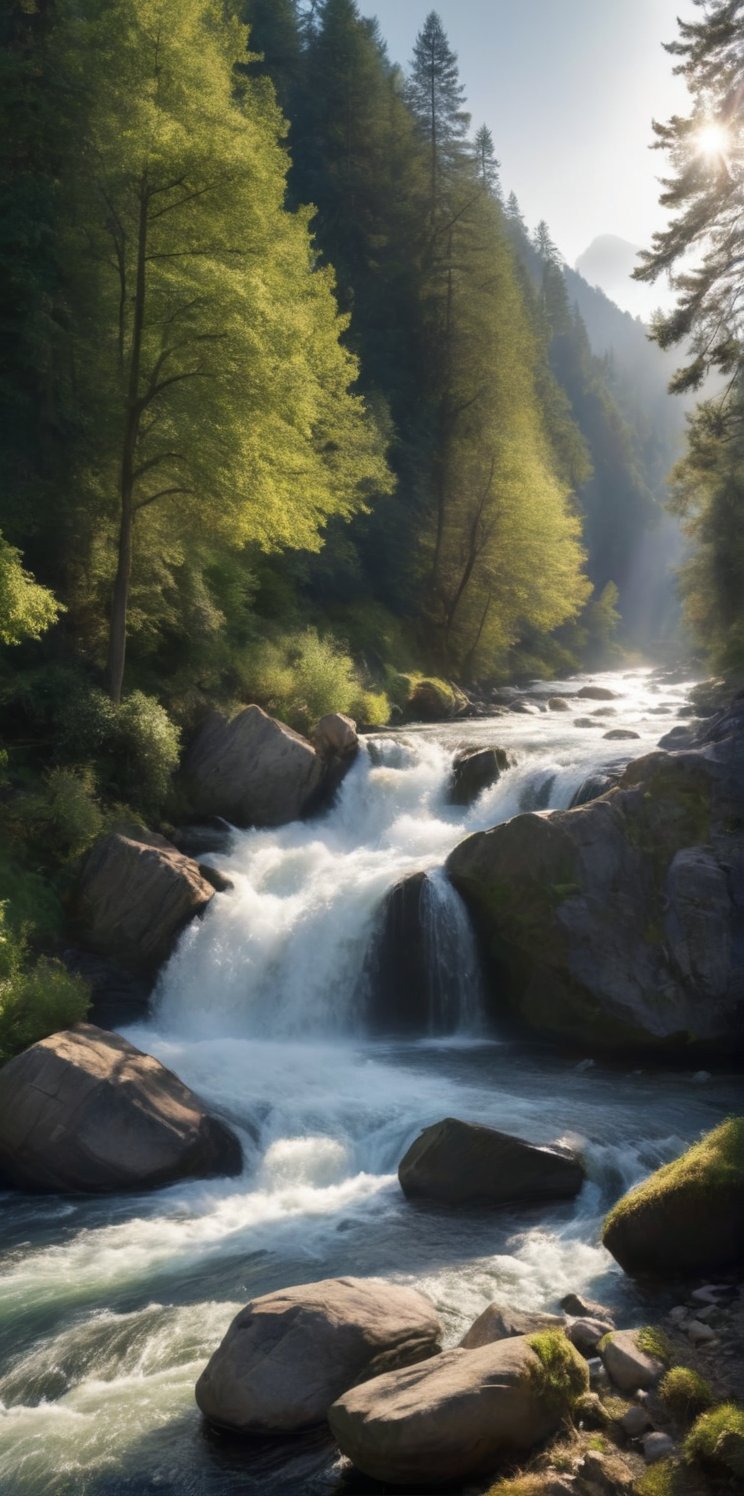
x=136, y=894
x=627, y=1364
x=84, y=1112
x=214, y=835
x=615, y=923
x=252, y=770
x=288, y=1355
x=498, y=1323
x=451, y=1419
x=464, y=1163
x=212, y=875
x=617, y=734
x=583, y=1308
x=434, y=700
x=524, y=707
x=536, y=793
x=586, y=722
x=118, y=997
x=597, y=693
x=594, y=786
x=406, y=973
x=475, y=770
x=677, y=737
x=558, y=704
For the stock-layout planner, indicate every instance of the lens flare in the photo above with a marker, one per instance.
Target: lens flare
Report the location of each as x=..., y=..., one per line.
x=712, y=140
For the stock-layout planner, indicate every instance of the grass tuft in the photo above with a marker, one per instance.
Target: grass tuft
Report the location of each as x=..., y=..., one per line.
x=685, y=1393
x=717, y=1438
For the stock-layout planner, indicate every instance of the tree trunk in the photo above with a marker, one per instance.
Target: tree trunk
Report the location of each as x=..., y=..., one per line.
x=120, y=601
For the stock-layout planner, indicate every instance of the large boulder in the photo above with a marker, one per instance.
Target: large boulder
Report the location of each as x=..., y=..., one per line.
x=434, y=700
x=288, y=1355
x=84, y=1112
x=457, y=1416
x=136, y=894
x=252, y=770
x=398, y=971
x=688, y=1217
x=617, y=923
x=464, y=1163
x=473, y=771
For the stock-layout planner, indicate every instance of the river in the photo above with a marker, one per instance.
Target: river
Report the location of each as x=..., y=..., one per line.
x=110, y=1307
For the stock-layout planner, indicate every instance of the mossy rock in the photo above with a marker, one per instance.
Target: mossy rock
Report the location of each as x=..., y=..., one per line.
x=688, y=1217
x=431, y=699
x=716, y=1440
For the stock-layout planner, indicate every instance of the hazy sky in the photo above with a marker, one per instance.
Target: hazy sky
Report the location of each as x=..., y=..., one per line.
x=568, y=89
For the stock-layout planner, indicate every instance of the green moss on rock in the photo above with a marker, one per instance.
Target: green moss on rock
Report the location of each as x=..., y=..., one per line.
x=562, y=1375
x=717, y=1439
x=689, y=1215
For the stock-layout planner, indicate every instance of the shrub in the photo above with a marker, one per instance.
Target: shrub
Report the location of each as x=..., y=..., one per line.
x=717, y=1438
x=370, y=709
x=562, y=1375
x=685, y=1392
x=35, y=1001
x=65, y=814
x=135, y=746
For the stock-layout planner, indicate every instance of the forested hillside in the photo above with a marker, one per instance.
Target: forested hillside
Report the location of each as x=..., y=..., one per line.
x=295, y=407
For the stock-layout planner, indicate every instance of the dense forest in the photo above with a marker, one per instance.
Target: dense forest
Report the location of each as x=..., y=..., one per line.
x=296, y=408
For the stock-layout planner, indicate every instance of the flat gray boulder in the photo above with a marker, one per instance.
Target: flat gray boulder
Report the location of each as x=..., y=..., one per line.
x=452, y=1419
x=288, y=1355
x=464, y=1163
x=136, y=895
x=251, y=770
x=84, y=1112
x=627, y=1363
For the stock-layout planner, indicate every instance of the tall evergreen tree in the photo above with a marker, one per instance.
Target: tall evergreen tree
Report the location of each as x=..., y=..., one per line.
x=437, y=99
x=485, y=158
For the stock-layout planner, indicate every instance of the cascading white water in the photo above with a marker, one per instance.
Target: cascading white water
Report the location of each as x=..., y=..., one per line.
x=110, y=1308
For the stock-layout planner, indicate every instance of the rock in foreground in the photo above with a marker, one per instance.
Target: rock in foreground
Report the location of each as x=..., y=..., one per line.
x=457, y=1416
x=137, y=892
x=500, y=1323
x=288, y=1355
x=84, y=1112
x=689, y=1215
x=463, y=1163
x=252, y=770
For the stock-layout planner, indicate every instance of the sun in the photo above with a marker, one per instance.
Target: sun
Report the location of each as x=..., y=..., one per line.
x=711, y=140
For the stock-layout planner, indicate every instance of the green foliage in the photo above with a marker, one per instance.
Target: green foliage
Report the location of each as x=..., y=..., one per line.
x=370, y=709
x=685, y=1393
x=299, y=677
x=64, y=815
x=717, y=1439
x=659, y=1480
x=26, y=609
x=716, y=1161
x=135, y=746
x=562, y=1375
x=35, y=1000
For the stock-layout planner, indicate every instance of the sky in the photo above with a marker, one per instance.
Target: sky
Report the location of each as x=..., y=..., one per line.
x=568, y=89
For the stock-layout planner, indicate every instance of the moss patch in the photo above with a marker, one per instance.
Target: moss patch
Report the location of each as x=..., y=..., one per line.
x=685, y=1393
x=716, y=1162
x=654, y=1342
x=717, y=1439
x=562, y=1374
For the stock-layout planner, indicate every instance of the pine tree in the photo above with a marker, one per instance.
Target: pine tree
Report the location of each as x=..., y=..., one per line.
x=436, y=97
x=486, y=163
x=705, y=198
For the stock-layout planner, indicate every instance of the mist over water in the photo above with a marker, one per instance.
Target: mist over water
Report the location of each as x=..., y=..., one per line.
x=109, y=1308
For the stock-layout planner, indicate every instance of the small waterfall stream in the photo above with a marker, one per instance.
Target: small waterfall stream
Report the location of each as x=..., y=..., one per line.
x=109, y=1308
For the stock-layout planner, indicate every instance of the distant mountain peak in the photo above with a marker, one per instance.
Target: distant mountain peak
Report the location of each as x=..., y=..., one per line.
x=609, y=263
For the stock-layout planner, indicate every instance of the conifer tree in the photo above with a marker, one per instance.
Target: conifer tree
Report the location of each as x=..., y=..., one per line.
x=437, y=97
x=486, y=163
